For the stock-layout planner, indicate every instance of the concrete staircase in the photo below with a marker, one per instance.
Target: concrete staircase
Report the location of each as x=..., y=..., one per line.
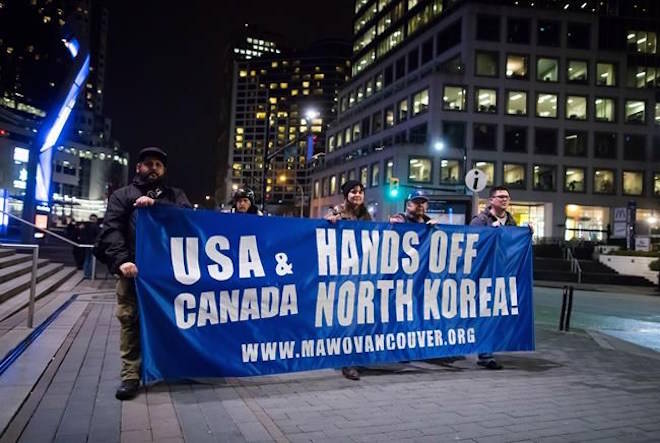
x=549, y=265
x=596, y=272
x=15, y=279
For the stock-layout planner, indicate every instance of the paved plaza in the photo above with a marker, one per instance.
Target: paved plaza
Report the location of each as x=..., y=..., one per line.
x=577, y=386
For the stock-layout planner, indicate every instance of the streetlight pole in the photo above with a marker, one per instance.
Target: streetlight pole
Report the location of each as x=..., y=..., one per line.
x=265, y=162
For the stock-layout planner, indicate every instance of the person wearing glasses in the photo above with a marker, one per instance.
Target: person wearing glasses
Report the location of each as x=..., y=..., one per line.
x=495, y=214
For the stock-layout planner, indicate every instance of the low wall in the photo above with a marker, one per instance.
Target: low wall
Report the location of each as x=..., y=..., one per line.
x=630, y=265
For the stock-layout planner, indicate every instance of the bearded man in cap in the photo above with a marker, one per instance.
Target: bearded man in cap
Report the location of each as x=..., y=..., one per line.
x=116, y=248
x=416, y=206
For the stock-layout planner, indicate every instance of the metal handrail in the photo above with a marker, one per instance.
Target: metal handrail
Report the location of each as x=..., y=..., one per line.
x=575, y=264
x=53, y=234
x=33, y=279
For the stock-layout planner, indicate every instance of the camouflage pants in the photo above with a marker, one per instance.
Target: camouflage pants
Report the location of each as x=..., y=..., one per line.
x=129, y=334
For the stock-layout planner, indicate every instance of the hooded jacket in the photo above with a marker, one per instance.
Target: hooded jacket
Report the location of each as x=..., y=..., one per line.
x=115, y=244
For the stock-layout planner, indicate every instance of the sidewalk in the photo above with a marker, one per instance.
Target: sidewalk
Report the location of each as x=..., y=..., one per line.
x=576, y=387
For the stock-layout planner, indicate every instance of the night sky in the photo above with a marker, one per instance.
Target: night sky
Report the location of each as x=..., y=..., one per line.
x=164, y=72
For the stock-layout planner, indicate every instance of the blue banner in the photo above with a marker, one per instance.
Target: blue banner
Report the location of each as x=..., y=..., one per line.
x=236, y=295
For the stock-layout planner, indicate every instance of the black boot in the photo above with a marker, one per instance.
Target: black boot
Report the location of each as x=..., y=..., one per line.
x=350, y=372
x=127, y=390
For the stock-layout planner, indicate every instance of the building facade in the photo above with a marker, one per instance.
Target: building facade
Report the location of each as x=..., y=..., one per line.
x=271, y=97
x=558, y=102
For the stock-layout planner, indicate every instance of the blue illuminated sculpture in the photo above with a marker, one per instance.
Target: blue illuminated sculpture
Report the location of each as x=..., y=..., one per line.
x=41, y=155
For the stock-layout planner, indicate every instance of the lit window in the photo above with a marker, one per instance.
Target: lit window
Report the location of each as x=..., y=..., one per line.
x=516, y=66
x=333, y=185
x=402, y=110
x=356, y=132
x=576, y=107
x=633, y=182
x=657, y=114
x=242, y=73
x=364, y=175
x=656, y=184
x=389, y=117
x=514, y=175
x=603, y=181
x=375, y=175
x=605, y=74
x=369, y=88
x=547, y=69
x=516, y=103
x=486, y=100
x=454, y=98
x=642, y=41
x=635, y=111
x=419, y=169
x=605, y=110
x=420, y=102
x=331, y=143
x=450, y=172
x=389, y=170
x=487, y=168
x=546, y=105
x=544, y=178
x=574, y=180
x=577, y=72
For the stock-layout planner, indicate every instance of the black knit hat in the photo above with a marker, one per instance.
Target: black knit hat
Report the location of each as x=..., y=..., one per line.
x=346, y=187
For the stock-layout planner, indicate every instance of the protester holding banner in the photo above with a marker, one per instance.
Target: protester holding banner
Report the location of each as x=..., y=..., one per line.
x=495, y=215
x=416, y=206
x=243, y=202
x=116, y=248
x=352, y=208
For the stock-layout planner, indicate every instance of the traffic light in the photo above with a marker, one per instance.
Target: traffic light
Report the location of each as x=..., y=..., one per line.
x=3, y=133
x=394, y=187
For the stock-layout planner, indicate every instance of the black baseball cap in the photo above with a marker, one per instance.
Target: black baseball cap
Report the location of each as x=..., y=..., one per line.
x=417, y=195
x=153, y=151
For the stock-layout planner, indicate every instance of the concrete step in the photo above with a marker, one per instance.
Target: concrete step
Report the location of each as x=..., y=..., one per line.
x=12, y=287
x=612, y=278
x=14, y=271
x=61, y=278
x=548, y=251
x=14, y=259
x=4, y=252
x=551, y=264
x=554, y=275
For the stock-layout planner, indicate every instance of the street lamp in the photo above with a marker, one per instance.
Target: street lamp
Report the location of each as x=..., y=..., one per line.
x=311, y=114
x=439, y=145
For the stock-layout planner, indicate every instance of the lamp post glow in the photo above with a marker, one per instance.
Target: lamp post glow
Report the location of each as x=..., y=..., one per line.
x=311, y=114
x=439, y=145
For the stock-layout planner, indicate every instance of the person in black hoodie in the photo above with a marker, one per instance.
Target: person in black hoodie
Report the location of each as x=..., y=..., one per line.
x=116, y=248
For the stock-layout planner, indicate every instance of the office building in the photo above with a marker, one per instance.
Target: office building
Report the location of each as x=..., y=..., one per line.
x=556, y=100
x=270, y=99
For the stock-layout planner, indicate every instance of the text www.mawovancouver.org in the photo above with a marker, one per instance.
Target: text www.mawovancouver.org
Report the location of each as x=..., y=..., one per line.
x=357, y=344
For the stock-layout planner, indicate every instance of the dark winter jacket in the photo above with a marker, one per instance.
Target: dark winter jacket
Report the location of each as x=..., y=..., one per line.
x=410, y=219
x=116, y=242
x=486, y=218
